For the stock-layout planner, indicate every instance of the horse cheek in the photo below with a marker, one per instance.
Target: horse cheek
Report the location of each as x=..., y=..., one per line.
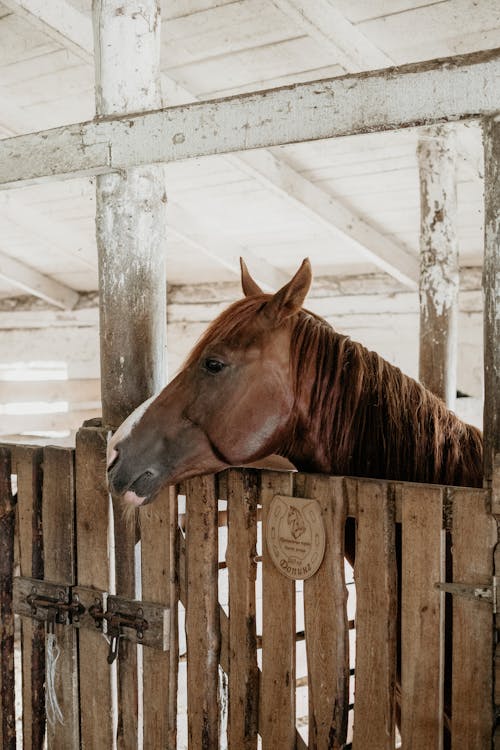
x=250, y=430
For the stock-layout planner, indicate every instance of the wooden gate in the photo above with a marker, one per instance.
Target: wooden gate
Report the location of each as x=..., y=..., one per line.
x=300, y=664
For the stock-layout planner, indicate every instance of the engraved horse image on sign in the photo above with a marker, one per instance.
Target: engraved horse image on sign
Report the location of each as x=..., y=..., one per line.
x=295, y=536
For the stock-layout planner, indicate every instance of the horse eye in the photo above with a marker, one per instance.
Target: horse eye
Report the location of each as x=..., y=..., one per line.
x=213, y=365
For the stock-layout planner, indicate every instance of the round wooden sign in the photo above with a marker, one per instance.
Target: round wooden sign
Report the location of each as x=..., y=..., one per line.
x=295, y=536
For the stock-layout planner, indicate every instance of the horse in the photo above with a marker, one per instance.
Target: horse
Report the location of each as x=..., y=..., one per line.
x=269, y=377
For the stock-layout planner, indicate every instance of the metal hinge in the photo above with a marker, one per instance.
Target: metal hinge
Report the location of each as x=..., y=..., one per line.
x=146, y=623
x=474, y=592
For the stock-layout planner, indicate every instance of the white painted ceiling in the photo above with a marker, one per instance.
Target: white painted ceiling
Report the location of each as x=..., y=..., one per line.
x=217, y=209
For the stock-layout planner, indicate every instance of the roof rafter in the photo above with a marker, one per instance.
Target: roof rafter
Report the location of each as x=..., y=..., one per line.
x=36, y=283
x=268, y=276
x=322, y=21
x=448, y=90
x=328, y=23
x=356, y=52
x=270, y=170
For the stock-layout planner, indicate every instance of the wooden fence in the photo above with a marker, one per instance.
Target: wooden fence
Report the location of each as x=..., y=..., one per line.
x=203, y=556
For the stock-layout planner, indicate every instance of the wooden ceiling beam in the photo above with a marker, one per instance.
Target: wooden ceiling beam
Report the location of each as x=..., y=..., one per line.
x=452, y=89
x=357, y=52
x=324, y=23
x=61, y=21
x=227, y=253
x=20, y=275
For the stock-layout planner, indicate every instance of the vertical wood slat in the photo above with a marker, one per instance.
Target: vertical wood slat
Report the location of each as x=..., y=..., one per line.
x=28, y=467
x=243, y=488
x=7, y=533
x=202, y=613
x=422, y=653
x=159, y=668
x=92, y=529
x=326, y=625
x=491, y=287
x=376, y=617
x=277, y=698
x=58, y=511
x=474, y=538
x=126, y=663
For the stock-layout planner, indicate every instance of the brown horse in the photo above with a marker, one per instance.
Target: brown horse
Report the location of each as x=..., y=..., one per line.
x=269, y=377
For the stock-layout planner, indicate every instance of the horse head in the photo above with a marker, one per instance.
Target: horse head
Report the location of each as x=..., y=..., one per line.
x=231, y=403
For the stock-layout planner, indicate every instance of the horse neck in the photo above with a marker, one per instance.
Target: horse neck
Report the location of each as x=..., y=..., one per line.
x=356, y=414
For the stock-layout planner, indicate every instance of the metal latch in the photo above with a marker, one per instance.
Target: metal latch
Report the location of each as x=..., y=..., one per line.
x=45, y=601
x=473, y=592
x=147, y=623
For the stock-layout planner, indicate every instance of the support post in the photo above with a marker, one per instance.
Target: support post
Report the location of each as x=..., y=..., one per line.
x=130, y=227
x=438, y=262
x=130, y=218
x=491, y=287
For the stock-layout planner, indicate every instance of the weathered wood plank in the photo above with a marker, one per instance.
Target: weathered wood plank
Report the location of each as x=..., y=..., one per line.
x=421, y=93
x=474, y=539
x=126, y=666
x=326, y=626
x=7, y=532
x=422, y=652
x=58, y=510
x=243, y=489
x=277, y=696
x=74, y=391
x=92, y=535
x=130, y=216
x=159, y=668
x=202, y=613
x=437, y=159
x=491, y=286
x=27, y=464
x=376, y=618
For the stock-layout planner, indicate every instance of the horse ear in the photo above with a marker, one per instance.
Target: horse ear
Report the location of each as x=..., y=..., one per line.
x=249, y=286
x=290, y=298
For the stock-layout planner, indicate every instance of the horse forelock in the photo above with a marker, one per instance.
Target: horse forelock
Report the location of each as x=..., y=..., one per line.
x=367, y=418
x=229, y=325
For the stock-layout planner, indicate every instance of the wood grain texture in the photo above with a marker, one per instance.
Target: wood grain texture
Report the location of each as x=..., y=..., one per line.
x=491, y=287
x=277, y=696
x=474, y=539
x=243, y=489
x=422, y=93
x=423, y=563
x=439, y=279
x=326, y=626
x=58, y=512
x=202, y=613
x=126, y=664
x=159, y=668
x=27, y=464
x=376, y=618
x=92, y=529
x=130, y=226
x=7, y=533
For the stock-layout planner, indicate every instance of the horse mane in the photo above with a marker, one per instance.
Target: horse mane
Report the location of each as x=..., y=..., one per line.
x=355, y=413
x=373, y=420
x=228, y=325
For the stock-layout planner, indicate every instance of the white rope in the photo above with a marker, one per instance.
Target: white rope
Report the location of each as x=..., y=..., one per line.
x=53, y=710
